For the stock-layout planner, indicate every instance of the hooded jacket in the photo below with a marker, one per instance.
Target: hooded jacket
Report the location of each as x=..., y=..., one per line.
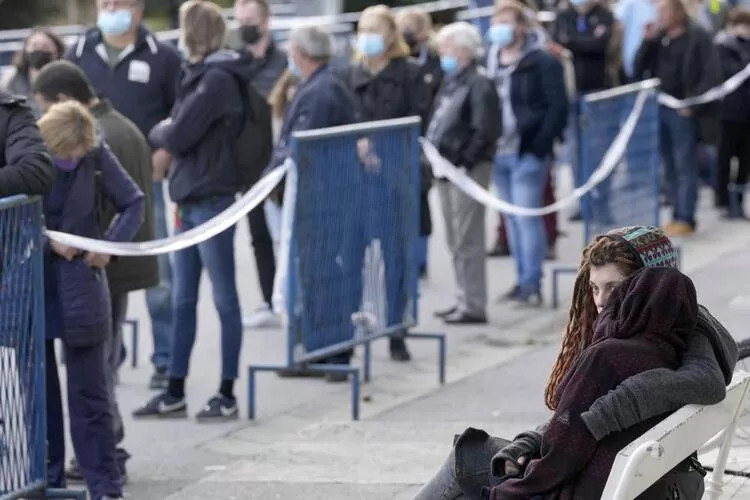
x=734, y=54
x=203, y=129
x=643, y=327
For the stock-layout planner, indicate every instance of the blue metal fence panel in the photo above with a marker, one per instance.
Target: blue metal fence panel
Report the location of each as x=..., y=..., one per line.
x=353, y=269
x=22, y=403
x=630, y=195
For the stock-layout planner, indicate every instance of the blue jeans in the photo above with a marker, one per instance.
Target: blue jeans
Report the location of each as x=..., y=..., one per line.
x=217, y=256
x=159, y=298
x=520, y=181
x=678, y=137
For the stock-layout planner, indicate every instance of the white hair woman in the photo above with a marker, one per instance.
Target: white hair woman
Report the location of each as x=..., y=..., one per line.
x=464, y=127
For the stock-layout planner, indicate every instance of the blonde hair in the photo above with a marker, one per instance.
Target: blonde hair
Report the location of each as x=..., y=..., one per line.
x=202, y=27
x=420, y=18
x=517, y=8
x=395, y=46
x=66, y=127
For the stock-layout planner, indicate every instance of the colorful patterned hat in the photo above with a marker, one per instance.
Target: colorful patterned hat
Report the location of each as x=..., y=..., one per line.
x=650, y=243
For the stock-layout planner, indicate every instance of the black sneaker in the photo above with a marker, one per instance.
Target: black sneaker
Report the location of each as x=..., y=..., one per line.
x=218, y=409
x=399, y=352
x=73, y=473
x=499, y=251
x=509, y=295
x=163, y=406
x=529, y=299
x=159, y=380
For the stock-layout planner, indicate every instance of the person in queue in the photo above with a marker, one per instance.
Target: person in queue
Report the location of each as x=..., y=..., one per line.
x=77, y=304
x=464, y=127
x=40, y=48
x=606, y=424
x=682, y=55
x=25, y=164
x=386, y=84
x=415, y=26
x=62, y=81
x=530, y=83
x=201, y=135
x=734, y=51
x=253, y=36
x=634, y=16
x=138, y=74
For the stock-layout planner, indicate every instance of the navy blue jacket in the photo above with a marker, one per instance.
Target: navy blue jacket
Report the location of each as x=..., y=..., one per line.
x=143, y=83
x=539, y=101
x=734, y=54
x=321, y=101
x=202, y=132
x=77, y=302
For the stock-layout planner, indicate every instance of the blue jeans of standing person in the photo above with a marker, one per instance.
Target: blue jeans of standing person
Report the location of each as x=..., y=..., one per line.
x=216, y=255
x=159, y=298
x=678, y=137
x=520, y=180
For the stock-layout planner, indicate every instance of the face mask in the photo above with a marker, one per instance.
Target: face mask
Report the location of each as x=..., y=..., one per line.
x=448, y=64
x=115, y=23
x=66, y=165
x=292, y=67
x=39, y=58
x=250, y=34
x=501, y=34
x=411, y=39
x=370, y=44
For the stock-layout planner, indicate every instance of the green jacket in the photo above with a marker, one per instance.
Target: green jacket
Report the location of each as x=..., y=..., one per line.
x=127, y=274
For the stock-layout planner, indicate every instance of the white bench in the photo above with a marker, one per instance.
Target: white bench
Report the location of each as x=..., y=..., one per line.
x=659, y=450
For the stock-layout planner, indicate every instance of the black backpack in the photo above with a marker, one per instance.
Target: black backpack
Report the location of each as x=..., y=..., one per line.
x=254, y=144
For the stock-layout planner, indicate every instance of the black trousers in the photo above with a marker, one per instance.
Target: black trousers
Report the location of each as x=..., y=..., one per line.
x=263, y=249
x=733, y=143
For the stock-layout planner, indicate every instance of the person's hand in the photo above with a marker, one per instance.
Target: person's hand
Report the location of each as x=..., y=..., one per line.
x=685, y=112
x=515, y=468
x=650, y=31
x=367, y=155
x=161, y=160
x=555, y=49
x=64, y=251
x=97, y=260
x=600, y=31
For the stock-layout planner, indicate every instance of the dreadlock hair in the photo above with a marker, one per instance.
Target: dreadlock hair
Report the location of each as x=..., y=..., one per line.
x=605, y=249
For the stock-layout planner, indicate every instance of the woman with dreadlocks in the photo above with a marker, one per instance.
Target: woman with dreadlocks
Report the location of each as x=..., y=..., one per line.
x=626, y=283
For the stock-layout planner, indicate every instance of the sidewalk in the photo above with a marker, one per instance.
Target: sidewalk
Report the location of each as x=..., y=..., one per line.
x=304, y=442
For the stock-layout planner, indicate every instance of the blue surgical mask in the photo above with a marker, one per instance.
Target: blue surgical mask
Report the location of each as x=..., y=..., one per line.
x=115, y=23
x=501, y=34
x=370, y=44
x=449, y=64
x=292, y=67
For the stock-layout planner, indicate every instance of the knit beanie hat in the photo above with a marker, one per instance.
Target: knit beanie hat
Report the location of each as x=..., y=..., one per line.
x=650, y=243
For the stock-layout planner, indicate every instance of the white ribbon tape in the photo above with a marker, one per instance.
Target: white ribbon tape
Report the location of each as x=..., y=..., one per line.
x=442, y=168
x=208, y=229
x=714, y=94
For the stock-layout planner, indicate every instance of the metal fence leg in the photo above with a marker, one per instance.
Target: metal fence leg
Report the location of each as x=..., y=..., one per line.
x=555, y=300
x=368, y=360
x=250, y=393
x=134, y=344
x=441, y=360
x=355, y=395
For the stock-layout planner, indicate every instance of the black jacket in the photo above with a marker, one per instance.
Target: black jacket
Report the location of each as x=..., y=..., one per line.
x=206, y=121
x=575, y=32
x=539, y=101
x=734, y=54
x=25, y=165
x=465, y=124
x=431, y=75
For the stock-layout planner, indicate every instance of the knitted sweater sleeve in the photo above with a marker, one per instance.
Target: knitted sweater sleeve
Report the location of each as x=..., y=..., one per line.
x=699, y=380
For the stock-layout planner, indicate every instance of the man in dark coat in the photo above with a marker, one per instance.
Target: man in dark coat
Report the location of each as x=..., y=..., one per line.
x=63, y=80
x=25, y=164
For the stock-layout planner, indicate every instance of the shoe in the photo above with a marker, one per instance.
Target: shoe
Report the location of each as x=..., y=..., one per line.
x=218, y=409
x=460, y=318
x=499, y=251
x=337, y=378
x=509, y=295
x=399, y=352
x=163, y=406
x=73, y=473
x=122, y=457
x=677, y=229
x=423, y=273
x=263, y=317
x=446, y=312
x=159, y=380
x=529, y=299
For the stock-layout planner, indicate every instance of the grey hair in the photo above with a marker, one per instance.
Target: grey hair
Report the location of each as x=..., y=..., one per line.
x=312, y=41
x=462, y=35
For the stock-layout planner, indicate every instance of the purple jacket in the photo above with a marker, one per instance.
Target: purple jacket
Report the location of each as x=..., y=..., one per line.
x=76, y=296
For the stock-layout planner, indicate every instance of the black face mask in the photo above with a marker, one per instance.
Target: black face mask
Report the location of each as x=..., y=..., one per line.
x=39, y=58
x=250, y=34
x=411, y=40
